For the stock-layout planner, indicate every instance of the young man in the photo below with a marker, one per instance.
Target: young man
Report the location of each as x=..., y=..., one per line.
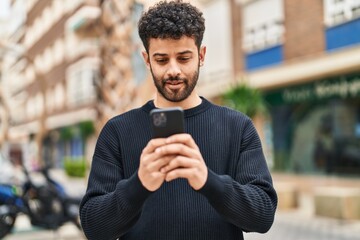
x=211, y=182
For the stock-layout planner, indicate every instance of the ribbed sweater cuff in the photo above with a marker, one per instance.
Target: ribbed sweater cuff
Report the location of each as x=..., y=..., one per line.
x=214, y=187
x=136, y=193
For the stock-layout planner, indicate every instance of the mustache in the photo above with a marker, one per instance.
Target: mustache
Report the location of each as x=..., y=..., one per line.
x=176, y=78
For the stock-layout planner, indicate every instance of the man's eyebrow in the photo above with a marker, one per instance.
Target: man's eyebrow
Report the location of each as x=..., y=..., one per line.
x=185, y=52
x=159, y=54
x=180, y=53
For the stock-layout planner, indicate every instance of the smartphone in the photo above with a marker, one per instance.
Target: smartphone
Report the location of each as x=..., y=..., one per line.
x=166, y=121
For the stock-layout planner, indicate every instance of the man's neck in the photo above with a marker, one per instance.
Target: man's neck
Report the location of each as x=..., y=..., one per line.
x=190, y=102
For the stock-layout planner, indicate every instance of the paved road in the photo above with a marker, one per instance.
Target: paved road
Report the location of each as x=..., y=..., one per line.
x=290, y=225
x=24, y=231
x=46, y=235
x=287, y=226
x=298, y=226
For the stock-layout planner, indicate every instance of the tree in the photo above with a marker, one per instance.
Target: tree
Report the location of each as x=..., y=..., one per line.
x=245, y=99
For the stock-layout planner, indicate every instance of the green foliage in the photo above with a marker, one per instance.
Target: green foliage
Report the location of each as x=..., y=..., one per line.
x=75, y=167
x=246, y=100
x=66, y=133
x=86, y=129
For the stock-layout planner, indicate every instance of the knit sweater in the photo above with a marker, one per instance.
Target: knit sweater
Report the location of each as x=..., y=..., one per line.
x=237, y=196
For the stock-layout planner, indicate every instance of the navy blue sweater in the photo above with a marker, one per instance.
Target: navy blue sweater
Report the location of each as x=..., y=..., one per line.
x=238, y=195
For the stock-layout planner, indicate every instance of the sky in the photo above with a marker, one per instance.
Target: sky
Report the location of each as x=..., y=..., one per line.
x=4, y=5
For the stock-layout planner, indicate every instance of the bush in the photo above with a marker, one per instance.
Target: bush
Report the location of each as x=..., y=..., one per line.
x=245, y=99
x=75, y=167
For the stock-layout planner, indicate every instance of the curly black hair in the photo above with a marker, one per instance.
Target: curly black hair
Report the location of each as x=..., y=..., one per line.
x=173, y=20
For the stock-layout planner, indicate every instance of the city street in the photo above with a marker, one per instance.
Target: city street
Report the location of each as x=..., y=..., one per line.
x=24, y=231
x=298, y=224
x=293, y=225
x=77, y=90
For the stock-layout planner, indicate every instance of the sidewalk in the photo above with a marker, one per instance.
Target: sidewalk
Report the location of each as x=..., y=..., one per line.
x=297, y=225
x=24, y=231
x=301, y=223
x=73, y=186
x=291, y=225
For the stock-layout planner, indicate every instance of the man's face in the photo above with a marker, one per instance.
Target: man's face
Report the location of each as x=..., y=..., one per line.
x=174, y=65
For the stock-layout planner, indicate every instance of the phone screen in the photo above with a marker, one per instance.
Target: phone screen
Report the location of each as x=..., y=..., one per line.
x=167, y=121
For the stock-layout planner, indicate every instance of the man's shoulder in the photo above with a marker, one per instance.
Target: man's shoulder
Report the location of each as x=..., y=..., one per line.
x=230, y=113
x=128, y=114
x=134, y=117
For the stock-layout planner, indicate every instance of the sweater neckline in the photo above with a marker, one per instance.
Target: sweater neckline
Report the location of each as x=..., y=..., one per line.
x=202, y=107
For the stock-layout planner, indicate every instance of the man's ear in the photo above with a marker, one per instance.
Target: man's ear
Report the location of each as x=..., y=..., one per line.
x=202, y=53
x=146, y=58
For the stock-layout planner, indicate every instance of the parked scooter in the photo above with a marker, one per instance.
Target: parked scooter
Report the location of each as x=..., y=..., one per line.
x=47, y=205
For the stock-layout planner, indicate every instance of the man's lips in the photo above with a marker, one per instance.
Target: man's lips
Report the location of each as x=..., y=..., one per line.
x=174, y=84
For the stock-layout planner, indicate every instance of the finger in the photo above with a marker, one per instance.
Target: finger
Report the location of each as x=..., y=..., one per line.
x=153, y=144
x=179, y=162
x=177, y=149
x=196, y=178
x=183, y=138
x=160, y=163
x=187, y=173
x=154, y=160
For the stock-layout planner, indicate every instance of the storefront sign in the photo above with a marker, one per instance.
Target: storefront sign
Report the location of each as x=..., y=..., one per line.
x=337, y=87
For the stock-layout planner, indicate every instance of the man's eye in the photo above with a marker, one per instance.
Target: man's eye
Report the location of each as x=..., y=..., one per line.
x=161, y=60
x=184, y=59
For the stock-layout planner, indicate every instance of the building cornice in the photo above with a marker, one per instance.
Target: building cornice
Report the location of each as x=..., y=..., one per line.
x=306, y=70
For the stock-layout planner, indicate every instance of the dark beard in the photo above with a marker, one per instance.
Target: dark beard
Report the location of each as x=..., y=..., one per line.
x=176, y=95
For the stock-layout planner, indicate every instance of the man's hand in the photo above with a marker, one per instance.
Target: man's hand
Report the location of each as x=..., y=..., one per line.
x=151, y=163
x=186, y=160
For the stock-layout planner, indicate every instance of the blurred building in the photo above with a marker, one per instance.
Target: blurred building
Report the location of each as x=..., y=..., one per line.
x=82, y=65
x=10, y=29
x=305, y=57
x=70, y=66
x=3, y=105
x=49, y=82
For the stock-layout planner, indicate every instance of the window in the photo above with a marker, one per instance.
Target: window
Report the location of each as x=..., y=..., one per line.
x=263, y=24
x=340, y=11
x=263, y=29
x=80, y=82
x=342, y=18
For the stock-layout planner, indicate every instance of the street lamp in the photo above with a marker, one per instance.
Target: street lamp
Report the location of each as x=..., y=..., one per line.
x=21, y=53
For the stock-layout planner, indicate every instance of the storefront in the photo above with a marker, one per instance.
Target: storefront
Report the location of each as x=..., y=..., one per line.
x=316, y=126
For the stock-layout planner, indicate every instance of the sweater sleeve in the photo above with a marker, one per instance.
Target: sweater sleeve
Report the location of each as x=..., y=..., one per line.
x=247, y=200
x=111, y=204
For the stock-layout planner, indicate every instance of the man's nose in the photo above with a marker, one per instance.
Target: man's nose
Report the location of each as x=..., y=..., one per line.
x=174, y=69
